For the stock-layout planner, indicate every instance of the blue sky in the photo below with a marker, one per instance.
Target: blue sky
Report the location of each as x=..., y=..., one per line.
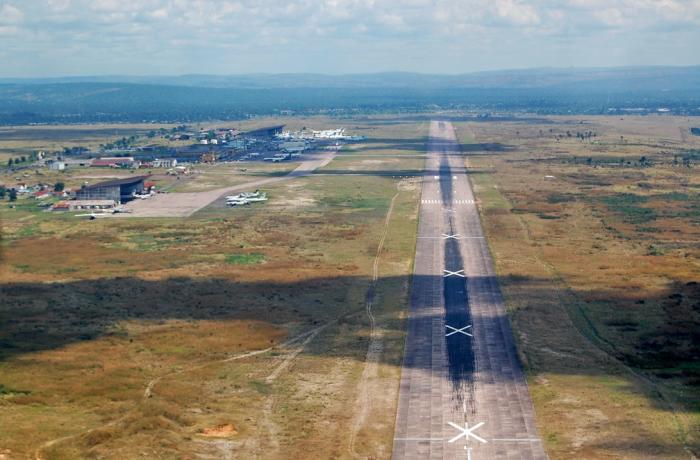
x=167, y=37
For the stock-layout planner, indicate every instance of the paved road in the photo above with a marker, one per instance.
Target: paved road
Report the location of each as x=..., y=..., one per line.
x=460, y=364
x=187, y=203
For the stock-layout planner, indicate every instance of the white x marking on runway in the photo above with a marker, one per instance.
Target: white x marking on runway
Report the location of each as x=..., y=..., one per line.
x=459, y=273
x=466, y=432
x=455, y=330
x=445, y=236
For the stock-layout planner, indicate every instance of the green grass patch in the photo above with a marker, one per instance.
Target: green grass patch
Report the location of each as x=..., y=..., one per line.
x=245, y=259
x=357, y=202
x=7, y=391
x=627, y=206
x=261, y=387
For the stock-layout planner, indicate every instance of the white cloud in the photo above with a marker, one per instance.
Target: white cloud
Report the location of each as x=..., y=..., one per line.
x=282, y=34
x=517, y=13
x=10, y=14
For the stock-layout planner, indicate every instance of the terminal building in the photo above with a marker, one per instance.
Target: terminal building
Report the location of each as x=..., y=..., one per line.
x=119, y=190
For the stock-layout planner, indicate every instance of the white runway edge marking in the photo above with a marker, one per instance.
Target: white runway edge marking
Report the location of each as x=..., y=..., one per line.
x=459, y=273
x=467, y=432
x=455, y=330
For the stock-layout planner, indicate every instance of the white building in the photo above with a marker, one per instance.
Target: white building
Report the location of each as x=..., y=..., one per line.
x=56, y=165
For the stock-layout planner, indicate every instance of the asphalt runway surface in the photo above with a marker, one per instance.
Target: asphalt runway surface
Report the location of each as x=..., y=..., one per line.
x=463, y=394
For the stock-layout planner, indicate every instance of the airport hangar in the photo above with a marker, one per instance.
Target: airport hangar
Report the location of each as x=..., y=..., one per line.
x=119, y=190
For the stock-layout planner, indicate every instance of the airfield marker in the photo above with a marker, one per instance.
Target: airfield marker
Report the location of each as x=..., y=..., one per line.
x=467, y=432
x=455, y=331
x=459, y=273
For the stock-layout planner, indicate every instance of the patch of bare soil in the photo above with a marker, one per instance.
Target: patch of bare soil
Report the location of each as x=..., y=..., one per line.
x=223, y=430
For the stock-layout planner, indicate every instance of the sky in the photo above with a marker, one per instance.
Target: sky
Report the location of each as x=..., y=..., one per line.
x=172, y=37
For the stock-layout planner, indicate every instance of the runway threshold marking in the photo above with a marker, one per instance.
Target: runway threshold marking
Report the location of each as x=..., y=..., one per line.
x=467, y=432
x=455, y=330
x=459, y=273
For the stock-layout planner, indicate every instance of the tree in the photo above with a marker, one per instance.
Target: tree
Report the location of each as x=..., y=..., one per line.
x=3, y=192
x=9, y=163
x=22, y=158
x=13, y=194
x=59, y=187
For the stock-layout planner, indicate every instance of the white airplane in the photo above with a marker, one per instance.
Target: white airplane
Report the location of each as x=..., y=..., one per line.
x=93, y=215
x=239, y=202
x=246, y=198
x=121, y=209
x=245, y=195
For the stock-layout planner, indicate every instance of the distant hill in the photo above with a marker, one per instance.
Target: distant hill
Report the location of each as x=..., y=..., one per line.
x=643, y=78
x=201, y=97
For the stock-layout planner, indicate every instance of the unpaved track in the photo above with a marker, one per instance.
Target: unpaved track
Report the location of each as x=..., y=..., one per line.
x=375, y=348
x=187, y=203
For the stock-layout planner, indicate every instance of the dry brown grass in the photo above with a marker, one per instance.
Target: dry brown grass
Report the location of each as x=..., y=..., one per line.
x=93, y=311
x=598, y=267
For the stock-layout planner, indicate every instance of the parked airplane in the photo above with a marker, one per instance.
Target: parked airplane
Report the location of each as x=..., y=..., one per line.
x=246, y=198
x=93, y=215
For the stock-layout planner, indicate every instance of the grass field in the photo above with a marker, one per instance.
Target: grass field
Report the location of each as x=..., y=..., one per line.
x=597, y=251
x=236, y=332
x=244, y=332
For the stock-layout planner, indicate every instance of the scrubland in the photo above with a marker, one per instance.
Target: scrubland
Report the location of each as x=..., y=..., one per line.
x=595, y=239
x=236, y=333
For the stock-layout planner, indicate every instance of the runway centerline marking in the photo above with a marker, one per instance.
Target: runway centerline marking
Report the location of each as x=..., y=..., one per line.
x=467, y=432
x=459, y=273
x=455, y=330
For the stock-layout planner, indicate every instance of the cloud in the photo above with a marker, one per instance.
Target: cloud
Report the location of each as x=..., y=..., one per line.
x=517, y=13
x=107, y=36
x=10, y=14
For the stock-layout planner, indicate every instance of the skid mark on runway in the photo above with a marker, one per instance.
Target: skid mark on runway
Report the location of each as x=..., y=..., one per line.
x=460, y=353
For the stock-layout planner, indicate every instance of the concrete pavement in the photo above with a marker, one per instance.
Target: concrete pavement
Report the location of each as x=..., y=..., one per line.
x=463, y=393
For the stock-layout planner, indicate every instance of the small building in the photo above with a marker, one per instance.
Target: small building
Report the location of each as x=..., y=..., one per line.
x=56, y=165
x=77, y=162
x=118, y=190
x=164, y=163
x=84, y=205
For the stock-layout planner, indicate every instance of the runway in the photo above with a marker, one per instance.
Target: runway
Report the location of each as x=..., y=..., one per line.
x=463, y=394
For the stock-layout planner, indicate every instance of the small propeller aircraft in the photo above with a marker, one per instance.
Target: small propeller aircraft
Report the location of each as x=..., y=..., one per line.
x=93, y=215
